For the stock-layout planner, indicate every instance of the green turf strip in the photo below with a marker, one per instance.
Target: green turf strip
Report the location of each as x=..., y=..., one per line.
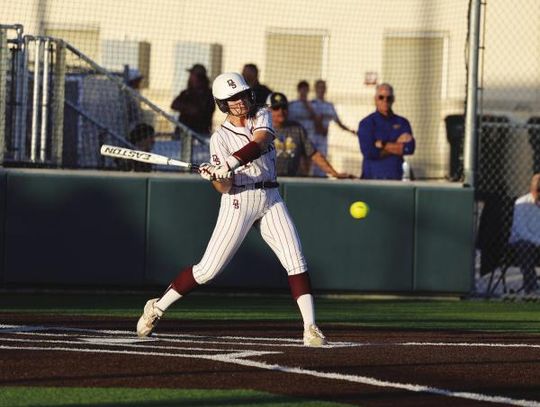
x=83, y=396
x=409, y=314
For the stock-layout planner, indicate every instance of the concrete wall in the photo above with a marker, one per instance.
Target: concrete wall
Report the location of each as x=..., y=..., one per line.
x=88, y=229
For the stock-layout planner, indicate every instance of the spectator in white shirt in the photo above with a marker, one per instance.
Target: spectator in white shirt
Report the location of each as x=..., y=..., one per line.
x=325, y=113
x=301, y=111
x=525, y=234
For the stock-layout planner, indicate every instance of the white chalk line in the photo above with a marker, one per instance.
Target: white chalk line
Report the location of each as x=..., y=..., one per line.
x=285, y=369
x=234, y=356
x=131, y=352
x=105, y=342
x=252, y=341
x=382, y=383
x=471, y=344
x=185, y=338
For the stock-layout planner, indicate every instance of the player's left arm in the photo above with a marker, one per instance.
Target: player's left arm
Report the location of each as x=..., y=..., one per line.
x=263, y=137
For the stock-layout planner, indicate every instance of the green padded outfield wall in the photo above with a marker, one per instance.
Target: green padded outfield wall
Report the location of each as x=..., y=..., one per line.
x=109, y=229
x=374, y=253
x=444, y=239
x=3, y=177
x=74, y=229
x=182, y=215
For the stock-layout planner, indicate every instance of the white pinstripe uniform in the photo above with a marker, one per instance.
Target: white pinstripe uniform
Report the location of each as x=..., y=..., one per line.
x=250, y=197
x=244, y=205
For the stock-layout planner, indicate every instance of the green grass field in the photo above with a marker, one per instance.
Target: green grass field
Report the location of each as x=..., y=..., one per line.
x=387, y=313
x=80, y=396
x=462, y=315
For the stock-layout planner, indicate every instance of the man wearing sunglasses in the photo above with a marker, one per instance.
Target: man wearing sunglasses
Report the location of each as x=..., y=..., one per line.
x=384, y=138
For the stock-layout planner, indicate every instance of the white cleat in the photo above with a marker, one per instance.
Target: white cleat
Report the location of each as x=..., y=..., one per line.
x=149, y=319
x=313, y=337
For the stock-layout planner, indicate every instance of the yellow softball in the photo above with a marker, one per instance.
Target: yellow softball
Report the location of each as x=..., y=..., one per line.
x=359, y=209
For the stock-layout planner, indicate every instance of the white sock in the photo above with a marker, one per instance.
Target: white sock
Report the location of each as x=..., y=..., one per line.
x=305, y=303
x=168, y=298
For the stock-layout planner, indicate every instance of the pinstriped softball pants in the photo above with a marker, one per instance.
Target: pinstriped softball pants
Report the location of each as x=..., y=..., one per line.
x=239, y=211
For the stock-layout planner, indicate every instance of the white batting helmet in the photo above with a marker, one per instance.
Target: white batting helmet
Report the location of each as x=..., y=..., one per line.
x=230, y=84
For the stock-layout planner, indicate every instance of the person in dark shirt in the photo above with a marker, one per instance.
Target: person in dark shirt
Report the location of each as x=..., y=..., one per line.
x=250, y=72
x=384, y=138
x=293, y=147
x=196, y=107
x=195, y=104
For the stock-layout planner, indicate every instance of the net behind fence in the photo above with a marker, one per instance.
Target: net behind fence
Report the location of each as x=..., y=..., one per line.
x=418, y=47
x=126, y=65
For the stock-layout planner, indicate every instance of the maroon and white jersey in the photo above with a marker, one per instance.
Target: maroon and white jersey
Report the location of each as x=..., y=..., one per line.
x=228, y=139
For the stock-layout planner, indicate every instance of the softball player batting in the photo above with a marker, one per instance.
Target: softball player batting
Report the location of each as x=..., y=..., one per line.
x=243, y=171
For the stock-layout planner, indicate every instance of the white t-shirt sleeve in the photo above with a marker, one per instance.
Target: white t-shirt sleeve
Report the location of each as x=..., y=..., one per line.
x=526, y=221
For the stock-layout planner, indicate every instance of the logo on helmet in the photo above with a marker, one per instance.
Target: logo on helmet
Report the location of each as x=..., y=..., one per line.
x=231, y=83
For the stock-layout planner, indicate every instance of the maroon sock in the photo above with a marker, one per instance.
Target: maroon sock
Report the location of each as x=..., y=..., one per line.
x=299, y=284
x=184, y=281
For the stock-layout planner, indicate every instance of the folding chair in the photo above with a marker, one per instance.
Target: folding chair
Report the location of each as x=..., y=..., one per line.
x=508, y=259
x=493, y=234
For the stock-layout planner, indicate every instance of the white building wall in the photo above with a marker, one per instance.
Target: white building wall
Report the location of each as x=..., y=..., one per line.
x=511, y=61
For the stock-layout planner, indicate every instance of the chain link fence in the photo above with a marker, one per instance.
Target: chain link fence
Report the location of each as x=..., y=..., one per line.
x=508, y=149
x=417, y=46
x=61, y=106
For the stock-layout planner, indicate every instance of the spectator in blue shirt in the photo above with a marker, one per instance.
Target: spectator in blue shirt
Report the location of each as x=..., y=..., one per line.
x=384, y=138
x=525, y=234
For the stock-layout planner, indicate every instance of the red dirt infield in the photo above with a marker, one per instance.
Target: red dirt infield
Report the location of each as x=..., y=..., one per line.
x=367, y=367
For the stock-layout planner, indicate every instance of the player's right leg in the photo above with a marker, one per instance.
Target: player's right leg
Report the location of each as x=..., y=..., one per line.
x=277, y=229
